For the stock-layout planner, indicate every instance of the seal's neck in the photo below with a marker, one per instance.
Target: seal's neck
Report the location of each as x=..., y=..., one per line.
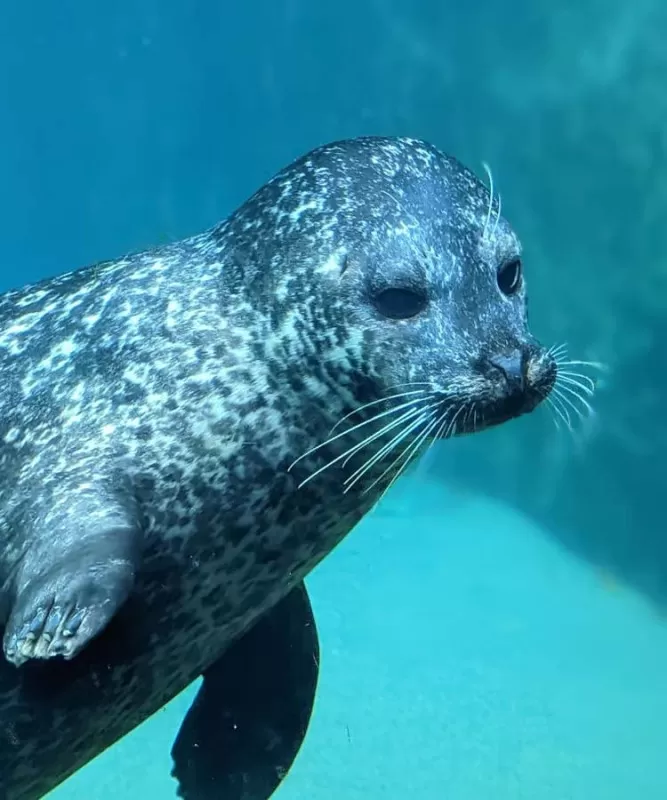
x=337, y=441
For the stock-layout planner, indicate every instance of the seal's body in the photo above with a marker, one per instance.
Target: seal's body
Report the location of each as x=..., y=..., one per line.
x=165, y=435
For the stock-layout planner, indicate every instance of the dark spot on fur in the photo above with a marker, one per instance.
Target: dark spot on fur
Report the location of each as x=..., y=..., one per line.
x=133, y=393
x=220, y=613
x=269, y=556
x=144, y=432
x=145, y=487
x=238, y=562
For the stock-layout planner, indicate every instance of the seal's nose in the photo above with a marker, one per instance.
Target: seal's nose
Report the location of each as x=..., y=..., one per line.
x=513, y=367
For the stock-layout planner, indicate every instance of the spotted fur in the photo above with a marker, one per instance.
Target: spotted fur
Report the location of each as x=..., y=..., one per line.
x=184, y=381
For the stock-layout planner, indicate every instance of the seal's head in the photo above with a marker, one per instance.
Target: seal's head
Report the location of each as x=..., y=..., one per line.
x=433, y=285
x=397, y=276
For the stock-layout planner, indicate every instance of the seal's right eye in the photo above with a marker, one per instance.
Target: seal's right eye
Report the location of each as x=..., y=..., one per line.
x=509, y=276
x=399, y=303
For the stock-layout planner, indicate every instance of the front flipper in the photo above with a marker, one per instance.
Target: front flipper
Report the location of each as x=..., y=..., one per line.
x=246, y=725
x=78, y=570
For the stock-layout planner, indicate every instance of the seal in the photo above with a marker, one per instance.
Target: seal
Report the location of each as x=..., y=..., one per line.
x=168, y=471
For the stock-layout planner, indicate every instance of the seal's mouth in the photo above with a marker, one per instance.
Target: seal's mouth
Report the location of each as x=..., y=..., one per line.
x=497, y=390
x=516, y=398
x=490, y=415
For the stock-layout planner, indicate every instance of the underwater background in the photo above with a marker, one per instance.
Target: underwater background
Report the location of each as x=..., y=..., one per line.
x=495, y=630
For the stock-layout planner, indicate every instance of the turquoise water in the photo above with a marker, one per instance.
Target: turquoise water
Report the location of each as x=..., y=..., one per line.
x=464, y=655
x=498, y=628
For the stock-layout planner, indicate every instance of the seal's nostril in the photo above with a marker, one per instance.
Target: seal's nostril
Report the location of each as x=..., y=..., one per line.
x=513, y=367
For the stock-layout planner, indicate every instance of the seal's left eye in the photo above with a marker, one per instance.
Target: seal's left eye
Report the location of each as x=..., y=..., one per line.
x=509, y=276
x=399, y=303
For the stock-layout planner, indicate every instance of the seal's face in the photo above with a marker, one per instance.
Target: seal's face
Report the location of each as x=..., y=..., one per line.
x=436, y=291
x=452, y=328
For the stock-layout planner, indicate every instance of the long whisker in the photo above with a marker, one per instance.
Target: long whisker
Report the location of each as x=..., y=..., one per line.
x=413, y=454
x=443, y=421
x=561, y=410
x=441, y=433
x=586, y=385
x=411, y=457
x=557, y=351
x=402, y=459
x=556, y=392
x=348, y=431
x=405, y=417
x=556, y=414
x=579, y=363
x=383, y=451
x=570, y=373
x=500, y=205
x=386, y=429
x=386, y=448
x=375, y=403
x=570, y=394
x=451, y=428
x=487, y=169
x=423, y=460
x=563, y=387
x=408, y=383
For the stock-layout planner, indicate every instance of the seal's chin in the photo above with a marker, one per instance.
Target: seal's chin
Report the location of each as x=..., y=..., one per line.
x=505, y=409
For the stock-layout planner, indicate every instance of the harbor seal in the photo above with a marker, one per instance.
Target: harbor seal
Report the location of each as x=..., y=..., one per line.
x=168, y=471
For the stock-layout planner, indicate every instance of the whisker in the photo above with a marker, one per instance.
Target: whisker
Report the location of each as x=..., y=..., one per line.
x=580, y=363
x=348, y=431
x=423, y=460
x=405, y=417
x=579, y=375
x=375, y=403
x=572, y=393
x=581, y=381
x=408, y=383
x=578, y=412
x=403, y=458
x=568, y=397
x=451, y=428
x=487, y=169
x=562, y=410
x=446, y=428
x=384, y=430
x=555, y=413
x=413, y=455
x=500, y=205
x=383, y=451
x=440, y=433
x=389, y=446
x=557, y=351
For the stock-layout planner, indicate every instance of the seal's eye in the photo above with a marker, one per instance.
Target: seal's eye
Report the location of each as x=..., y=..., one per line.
x=400, y=303
x=509, y=276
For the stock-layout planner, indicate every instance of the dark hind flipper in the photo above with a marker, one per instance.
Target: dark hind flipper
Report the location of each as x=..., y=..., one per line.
x=246, y=725
x=77, y=572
